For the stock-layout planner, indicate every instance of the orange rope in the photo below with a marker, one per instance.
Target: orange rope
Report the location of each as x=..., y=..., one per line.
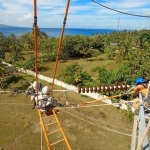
x=60, y=43
x=106, y=98
x=35, y=44
x=36, y=71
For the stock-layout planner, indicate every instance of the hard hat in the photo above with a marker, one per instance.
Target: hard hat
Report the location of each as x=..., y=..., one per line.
x=45, y=90
x=34, y=85
x=139, y=80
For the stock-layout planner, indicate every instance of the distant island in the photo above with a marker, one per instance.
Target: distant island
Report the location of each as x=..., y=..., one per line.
x=8, y=26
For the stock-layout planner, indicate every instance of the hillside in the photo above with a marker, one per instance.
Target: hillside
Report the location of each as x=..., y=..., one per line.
x=8, y=26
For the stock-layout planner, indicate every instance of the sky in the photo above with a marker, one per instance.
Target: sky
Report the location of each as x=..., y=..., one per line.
x=81, y=13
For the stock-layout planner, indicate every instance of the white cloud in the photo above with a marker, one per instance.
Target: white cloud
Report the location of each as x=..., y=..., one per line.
x=25, y=17
x=82, y=13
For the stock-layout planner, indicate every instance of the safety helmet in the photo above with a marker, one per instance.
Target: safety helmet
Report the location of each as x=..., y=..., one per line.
x=34, y=85
x=139, y=80
x=45, y=90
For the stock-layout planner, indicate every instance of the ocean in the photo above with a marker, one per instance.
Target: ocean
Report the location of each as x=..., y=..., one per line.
x=55, y=32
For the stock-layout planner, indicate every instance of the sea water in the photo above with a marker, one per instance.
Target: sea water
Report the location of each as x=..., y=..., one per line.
x=55, y=32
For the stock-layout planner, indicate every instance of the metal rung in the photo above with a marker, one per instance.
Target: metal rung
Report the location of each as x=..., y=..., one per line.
x=57, y=142
x=50, y=123
x=54, y=132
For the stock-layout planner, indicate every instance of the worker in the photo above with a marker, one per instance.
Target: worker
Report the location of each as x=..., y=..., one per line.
x=141, y=86
x=33, y=92
x=45, y=102
x=33, y=86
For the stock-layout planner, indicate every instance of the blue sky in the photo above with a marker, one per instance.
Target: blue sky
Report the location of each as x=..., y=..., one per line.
x=81, y=14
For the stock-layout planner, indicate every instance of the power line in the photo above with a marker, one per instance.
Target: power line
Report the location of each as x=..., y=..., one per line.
x=93, y=122
x=120, y=11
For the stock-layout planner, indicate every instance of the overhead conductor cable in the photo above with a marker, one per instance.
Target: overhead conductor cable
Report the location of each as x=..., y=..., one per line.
x=120, y=11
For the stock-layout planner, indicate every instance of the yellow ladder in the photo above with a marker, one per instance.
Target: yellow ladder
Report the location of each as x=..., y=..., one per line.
x=44, y=120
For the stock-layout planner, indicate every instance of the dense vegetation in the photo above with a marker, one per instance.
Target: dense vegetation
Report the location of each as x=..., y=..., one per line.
x=130, y=49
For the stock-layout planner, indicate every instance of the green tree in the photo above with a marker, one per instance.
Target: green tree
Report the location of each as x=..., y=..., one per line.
x=73, y=74
x=27, y=42
x=30, y=64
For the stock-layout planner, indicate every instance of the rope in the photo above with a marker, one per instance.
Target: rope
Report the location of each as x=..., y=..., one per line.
x=15, y=104
x=98, y=124
x=91, y=119
x=73, y=107
x=5, y=91
x=36, y=71
x=36, y=45
x=60, y=43
x=106, y=98
x=41, y=136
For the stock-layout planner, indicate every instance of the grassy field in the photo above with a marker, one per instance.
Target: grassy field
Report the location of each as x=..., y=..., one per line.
x=85, y=127
x=87, y=64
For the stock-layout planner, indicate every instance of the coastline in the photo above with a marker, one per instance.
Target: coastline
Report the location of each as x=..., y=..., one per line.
x=55, y=32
